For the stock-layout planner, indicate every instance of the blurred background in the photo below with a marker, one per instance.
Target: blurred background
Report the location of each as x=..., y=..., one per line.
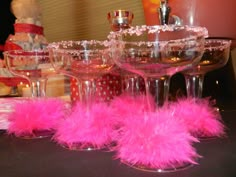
x=83, y=19
x=87, y=19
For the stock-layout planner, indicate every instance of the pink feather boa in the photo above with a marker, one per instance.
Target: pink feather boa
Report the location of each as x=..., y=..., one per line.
x=127, y=104
x=155, y=140
x=32, y=115
x=199, y=116
x=89, y=128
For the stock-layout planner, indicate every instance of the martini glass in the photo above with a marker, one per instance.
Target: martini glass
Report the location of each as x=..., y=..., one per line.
x=35, y=67
x=216, y=55
x=85, y=61
x=156, y=53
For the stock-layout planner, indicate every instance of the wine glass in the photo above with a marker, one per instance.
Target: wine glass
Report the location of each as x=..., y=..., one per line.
x=216, y=55
x=32, y=65
x=85, y=61
x=156, y=53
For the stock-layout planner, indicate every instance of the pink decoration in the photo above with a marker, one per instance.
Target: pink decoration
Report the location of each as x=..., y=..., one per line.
x=32, y=115
x=86, y=126
x=154, y=140
x=199, y=116
x=127, y=104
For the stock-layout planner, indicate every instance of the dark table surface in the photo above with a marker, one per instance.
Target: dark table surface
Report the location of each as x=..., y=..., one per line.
x=45, y=158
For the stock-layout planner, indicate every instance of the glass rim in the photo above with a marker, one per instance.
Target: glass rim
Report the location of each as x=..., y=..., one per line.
x=22, y=52
x=222, y=43
x=138, y=31
x=69, y=43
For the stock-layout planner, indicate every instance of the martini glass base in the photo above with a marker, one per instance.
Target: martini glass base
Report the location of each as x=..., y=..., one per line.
x=83, y=147
x=37, y=134
x=173, y=168
x=208, y=138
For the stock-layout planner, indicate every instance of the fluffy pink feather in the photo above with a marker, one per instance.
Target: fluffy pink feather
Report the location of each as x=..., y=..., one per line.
x=127, y=104
x=32, y=115
x=200, y=117
x=154, y=140
x=86, y=126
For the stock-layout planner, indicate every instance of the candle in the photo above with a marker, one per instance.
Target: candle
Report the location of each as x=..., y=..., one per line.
x=19, y=88
x=26, y=91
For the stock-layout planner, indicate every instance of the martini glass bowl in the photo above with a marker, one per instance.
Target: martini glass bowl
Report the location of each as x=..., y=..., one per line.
x=83, y=60
x=156, y=53
x=216, y=55
x=33, y=65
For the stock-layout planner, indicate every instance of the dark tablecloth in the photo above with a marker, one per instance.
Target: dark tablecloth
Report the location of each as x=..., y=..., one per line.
x=45, y=158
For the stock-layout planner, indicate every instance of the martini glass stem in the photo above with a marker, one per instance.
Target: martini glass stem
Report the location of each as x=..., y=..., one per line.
x=87, y=90
x=194, y=85
x=132, y=84
x=158, y=89
x=38, y=87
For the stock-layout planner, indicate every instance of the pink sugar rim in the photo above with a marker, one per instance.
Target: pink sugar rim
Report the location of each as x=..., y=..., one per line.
x=222, y=44
x=65, y=47
x=70, y=43
x=138, y=30
x=24, y=53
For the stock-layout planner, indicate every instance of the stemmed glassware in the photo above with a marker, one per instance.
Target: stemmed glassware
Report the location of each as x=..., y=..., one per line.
x=216, y=55
x=33, y=65
x=83, y=60
x=158, y=52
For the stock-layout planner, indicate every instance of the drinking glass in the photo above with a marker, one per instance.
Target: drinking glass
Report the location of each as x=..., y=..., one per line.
x=84, y=60
x=156, y=53
x=216, y=55
x=33, y=65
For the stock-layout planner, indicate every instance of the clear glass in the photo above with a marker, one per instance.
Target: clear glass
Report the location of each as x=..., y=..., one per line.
x=216, y=55
x=33, y=65
x=158, y=52
x=86, y=61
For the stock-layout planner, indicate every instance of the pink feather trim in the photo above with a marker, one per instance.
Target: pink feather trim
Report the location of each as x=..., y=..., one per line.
x=199, y=116
x=31, y=115
x=127, y=104
x=154, y=140
x=87, y=126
